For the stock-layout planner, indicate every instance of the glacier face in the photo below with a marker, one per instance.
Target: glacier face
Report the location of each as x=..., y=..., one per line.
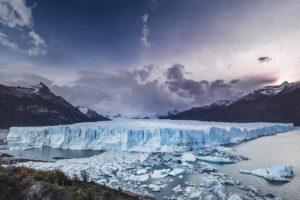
x=143, y=135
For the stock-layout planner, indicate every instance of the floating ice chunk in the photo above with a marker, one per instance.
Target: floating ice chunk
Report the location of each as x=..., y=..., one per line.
x=187, y=165
x=143, y=135
x=140, y=178
x=214, y=186
x=209, y=182
x=273, y=173
x=180, y=176
x=143, y=186
x=189, y=183
x=141, y=171
x=160, y=173
x=108, y=169
x=177, y=189
x=154, y=188
x=101, y=181
x=195, y=194
x=204, y=167
x=234, y=197
x=215, y=159
x=188, y=190
x=188, y=156
x=223, y=149
x=245, y=171
x=209, y=197
x=18, y=148
x=176, y=171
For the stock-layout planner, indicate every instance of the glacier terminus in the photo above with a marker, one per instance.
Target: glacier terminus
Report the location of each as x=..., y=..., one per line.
x=143, y=135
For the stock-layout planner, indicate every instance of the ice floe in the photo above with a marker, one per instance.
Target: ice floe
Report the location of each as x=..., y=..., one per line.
x=19, y=148
x=160, y=173
x=273, y=173
x=234, y=197
x=215, y=159
x=188, y=156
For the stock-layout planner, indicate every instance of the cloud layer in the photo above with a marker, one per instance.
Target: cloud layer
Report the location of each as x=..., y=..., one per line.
x=148, y=90
x=15, y=14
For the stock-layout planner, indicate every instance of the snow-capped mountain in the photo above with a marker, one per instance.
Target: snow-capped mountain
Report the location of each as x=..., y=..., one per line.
x=272, y=91
x=36, y=106
x=169, y=115
x=91, y=113
x=279, y=103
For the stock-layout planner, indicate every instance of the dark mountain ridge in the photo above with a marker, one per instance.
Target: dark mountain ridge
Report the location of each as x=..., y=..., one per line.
x=37, y=106
x=270, y=104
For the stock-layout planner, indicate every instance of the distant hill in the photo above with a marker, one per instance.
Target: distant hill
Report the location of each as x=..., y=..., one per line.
x=270, y=104
x=37, y=106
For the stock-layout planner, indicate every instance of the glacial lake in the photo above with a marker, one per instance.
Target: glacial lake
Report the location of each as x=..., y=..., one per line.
x=283, y=148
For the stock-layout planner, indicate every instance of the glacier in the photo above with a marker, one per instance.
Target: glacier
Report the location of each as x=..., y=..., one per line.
x=143, y=135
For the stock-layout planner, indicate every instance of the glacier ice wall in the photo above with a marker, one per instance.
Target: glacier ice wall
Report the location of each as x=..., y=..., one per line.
x=143, y=135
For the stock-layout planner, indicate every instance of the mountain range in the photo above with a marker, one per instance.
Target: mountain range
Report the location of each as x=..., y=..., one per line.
x=38, y=106
x=269, y=104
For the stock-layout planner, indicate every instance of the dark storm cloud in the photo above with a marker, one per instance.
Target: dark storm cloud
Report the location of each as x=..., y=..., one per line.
x=200, y=92
x=264, y=59
x=144, y=73
x=234, y=81
x=125, y=90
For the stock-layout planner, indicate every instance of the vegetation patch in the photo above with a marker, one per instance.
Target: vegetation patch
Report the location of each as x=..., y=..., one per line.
x=25, y=183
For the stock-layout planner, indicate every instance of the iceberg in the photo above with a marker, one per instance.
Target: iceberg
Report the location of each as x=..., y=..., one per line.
x=188, y=156
x=273, y=173
x=215, y=159
x=143, y=135
x=215, y=187
x=177, y=189
x=160, y=173
x=176, y=171
x=140, y=178
x=18, y=148
x=154, y=188
x=234, y=197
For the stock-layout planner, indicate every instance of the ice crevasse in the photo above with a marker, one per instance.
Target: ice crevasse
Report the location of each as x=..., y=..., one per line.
x=143, y=135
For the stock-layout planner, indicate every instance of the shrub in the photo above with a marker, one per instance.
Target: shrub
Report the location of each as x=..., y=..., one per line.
x=84, y=176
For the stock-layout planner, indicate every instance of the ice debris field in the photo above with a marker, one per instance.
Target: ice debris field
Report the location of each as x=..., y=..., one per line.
x=143, y=135
x=163, y=175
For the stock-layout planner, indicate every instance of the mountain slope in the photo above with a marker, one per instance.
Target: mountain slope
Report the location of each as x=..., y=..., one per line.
x=36, y=106
x=270, y=104
x=91, y=114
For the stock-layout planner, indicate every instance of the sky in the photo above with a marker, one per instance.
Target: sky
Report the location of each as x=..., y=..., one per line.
x=147, y=57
